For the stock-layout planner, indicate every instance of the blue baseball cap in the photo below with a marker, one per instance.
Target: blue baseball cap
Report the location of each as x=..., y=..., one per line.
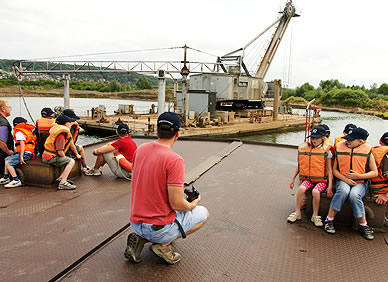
x=62, y=119
x=317, y=131
x=357, y=133
x=170, y=118
x=384, y=138
x=47, y=111
x=18, y=120
x=123, y=128
x=349, y=127
x=71, y=114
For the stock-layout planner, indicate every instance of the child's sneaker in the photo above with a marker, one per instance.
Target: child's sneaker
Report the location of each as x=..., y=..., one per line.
x=66, y=186
x=366, y=232
x=329, y=226
x=317, y=220
x=13, y=183
x=85, y=169
x=93, y=172
x=4, y=180
x=294, y=217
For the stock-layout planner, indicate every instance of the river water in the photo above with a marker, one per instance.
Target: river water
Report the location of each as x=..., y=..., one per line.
x=335, y=120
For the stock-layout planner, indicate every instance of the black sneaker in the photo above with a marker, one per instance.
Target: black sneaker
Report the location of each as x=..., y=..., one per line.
x=366, y=232
x=135, y=245
x=329, y=226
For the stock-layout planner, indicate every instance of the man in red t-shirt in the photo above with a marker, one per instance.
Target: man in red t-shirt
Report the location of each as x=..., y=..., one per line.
x=159, y=211
x=125, y=147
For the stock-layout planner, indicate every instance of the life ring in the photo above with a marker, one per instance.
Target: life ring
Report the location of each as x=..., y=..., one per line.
x=123, y=162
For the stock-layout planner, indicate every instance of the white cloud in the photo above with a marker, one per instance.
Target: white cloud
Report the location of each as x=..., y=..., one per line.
x=343, y=40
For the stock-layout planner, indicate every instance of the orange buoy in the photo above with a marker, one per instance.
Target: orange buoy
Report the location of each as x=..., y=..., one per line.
x=123, y=162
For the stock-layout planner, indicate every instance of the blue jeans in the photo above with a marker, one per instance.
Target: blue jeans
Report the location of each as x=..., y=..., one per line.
x=14, y=159
x=354, y=194
x=188, y=219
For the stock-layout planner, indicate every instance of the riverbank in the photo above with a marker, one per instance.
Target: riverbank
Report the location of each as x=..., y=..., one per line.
x=348, y=110
x=139, y=95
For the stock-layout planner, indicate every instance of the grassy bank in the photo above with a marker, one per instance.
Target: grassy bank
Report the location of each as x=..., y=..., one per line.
x=371, y=112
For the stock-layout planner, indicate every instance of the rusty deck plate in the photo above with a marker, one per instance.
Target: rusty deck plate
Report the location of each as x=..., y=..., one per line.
x=247, y=238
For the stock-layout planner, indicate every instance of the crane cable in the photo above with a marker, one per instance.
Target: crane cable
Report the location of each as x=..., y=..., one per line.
x=25, y=104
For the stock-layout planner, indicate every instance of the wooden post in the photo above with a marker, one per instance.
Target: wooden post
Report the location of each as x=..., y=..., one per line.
x=278, y=84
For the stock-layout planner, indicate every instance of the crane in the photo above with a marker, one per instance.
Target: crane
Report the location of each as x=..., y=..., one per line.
x=238, y=88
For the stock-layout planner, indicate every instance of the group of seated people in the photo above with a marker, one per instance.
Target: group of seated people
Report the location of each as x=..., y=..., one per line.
x=54, y=139
x=352, y=163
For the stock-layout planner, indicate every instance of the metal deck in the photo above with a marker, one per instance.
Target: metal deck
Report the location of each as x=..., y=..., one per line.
x=78, y=235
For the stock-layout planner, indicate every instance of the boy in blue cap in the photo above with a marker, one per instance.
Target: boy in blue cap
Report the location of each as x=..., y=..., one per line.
x=354, y=164
x=125, y=148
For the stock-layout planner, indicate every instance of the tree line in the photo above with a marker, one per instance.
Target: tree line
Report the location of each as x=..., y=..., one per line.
x=334, y=93
x=101, y=86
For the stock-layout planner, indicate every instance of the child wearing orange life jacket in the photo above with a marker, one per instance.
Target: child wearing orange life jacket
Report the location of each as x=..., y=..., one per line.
x=315, y=172
x=379, y=185
x=25, y=147
x=43, y=125
x=354, y=164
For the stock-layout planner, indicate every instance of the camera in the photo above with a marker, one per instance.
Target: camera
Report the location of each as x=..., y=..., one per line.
x=192, y=193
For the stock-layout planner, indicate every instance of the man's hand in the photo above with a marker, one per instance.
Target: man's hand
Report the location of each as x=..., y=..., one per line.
x=381, y=199
x=10, y=152
x=78, y=157
x=196, y=201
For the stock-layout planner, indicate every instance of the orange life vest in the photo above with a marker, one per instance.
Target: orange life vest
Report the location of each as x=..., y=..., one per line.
x=75, y=130
x=123, y=162
x=45, y=123
x=356, y=159
x=379, y=184
x=49, y=147
x=338, y=139
x=30, y=141
x=312, y=162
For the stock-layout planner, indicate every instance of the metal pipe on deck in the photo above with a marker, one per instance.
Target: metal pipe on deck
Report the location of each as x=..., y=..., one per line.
x=161, y=92
x=66, y=78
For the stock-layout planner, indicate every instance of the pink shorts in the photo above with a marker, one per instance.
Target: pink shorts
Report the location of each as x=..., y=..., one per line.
x=319, y=186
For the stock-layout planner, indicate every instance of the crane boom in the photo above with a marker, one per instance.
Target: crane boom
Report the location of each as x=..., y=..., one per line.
x=288, y=13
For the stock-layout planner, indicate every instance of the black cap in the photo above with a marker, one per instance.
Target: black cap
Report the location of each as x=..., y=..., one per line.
x=18, y=120
x=47, y=111
x=170, y=118
x=357, y=133
x=70, y=113
x=349, y=127
x=384, y=138
x=62, y=119
x=317, y=131
x=123, y=128
x=327, y=129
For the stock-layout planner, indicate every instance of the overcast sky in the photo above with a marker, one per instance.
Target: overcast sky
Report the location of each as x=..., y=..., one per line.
x=333, y=39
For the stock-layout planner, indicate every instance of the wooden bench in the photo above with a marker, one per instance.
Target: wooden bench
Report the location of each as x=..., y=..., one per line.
x=36, y=173
x=375, y=213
